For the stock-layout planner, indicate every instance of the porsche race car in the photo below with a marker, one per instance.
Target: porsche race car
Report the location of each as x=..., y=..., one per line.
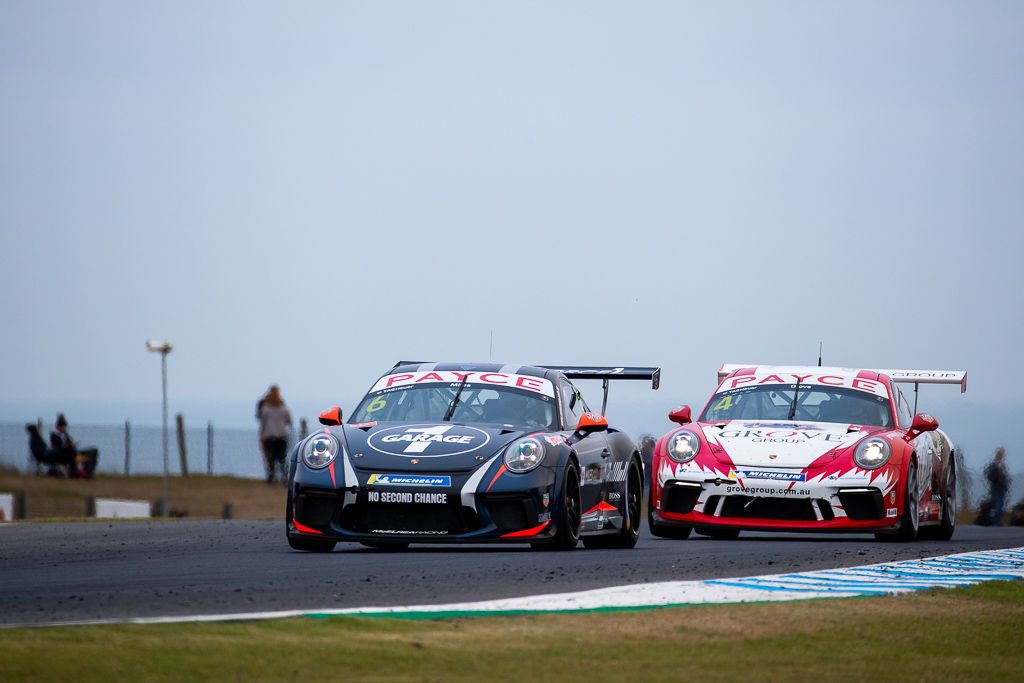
x=464, y=453
x=814, y=449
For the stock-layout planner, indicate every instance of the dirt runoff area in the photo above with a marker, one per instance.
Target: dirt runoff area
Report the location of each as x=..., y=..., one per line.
x=194, y=497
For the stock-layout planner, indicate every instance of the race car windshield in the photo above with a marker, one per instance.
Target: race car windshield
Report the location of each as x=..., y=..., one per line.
x=483, y=404
x=813, y=403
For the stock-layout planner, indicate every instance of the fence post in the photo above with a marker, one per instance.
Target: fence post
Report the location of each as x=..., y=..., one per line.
x=127, y=448
x=39, y=426
x=303, y=429
x=182, y=453
x=209, y=447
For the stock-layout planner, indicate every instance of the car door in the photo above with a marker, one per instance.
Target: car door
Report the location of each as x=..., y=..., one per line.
x=594, y=455
x=925, y=452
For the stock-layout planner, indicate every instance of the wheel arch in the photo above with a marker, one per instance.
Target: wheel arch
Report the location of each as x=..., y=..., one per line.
x=904, y=473
x=635, y=457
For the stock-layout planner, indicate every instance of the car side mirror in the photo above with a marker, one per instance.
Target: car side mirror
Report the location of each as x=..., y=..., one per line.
x=331, y=417
x=922, y=423
x=680, y=415
x=591, y=422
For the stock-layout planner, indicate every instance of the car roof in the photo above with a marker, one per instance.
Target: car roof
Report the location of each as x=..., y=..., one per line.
x=870, y=381
x=739, y=370
x=504, y=368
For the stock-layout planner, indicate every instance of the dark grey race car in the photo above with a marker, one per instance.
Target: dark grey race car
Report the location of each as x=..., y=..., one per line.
x=469, y=453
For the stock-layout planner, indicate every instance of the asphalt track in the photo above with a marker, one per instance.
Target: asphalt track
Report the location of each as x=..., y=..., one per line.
x=106, y=570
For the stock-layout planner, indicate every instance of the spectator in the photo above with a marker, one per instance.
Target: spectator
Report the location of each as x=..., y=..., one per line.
x=275, y=421
x=44, y=455
x=64, y=451
x=60, y=440
x=259, y=419
x=998, y=485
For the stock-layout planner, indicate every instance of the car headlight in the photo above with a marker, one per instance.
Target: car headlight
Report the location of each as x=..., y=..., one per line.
x=523, y=455
x=683, y=446
x=872, y=453
x=320, y=451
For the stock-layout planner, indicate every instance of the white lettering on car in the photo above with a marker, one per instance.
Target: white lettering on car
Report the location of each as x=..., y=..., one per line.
x=539, y=385
x=407, y=497
x=870, y=386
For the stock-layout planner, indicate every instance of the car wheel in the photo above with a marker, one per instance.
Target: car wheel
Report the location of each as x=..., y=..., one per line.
x=713, y=532
x=630, y=531
x=910, y=520
x=567, y=531
x=387, y=547
x=665, y=530
x=947, y=520
x=309, y=545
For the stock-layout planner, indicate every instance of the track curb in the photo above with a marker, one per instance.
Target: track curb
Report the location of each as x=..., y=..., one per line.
x=887, y=578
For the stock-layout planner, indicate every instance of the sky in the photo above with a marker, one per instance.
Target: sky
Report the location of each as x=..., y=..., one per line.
x=304, y=193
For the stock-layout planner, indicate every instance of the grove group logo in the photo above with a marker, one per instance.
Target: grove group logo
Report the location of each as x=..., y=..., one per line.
x=428, y=441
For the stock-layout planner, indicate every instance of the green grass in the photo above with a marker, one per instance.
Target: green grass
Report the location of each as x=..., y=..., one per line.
x=964, y=634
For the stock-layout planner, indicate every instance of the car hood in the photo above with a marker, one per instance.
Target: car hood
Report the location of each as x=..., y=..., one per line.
x=762, y=443
x=426, y=447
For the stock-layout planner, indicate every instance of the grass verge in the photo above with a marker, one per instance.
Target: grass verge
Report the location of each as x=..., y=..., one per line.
x=963, y=634
x=200, y=496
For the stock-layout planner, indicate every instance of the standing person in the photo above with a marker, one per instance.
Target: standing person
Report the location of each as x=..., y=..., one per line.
x=259, y=437
x=998, y=485
x=275, y=421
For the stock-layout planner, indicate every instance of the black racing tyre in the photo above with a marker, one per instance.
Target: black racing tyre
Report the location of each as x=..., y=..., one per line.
x=714, y=532
x=309, y=545
x=288, y=513
x=910, y=520
x=567, y=525
x=385, y=546
x=947, y=518
x=630, y=531
x=676, y=532
x=666, y=530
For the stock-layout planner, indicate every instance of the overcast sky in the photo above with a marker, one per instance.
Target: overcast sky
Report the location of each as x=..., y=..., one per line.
x=306, y=192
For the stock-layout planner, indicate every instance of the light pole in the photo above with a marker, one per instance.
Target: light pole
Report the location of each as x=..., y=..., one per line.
x=163, y=348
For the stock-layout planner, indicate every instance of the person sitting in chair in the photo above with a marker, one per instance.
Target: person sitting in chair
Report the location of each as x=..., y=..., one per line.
x=81, y=463
x=47, y=456
x=61, y=442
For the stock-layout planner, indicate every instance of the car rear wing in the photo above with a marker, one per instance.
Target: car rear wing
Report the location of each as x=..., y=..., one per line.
x=607, y=373
x=901, y=376
x=596, y=372
x=915, y=377
x=929, y=377
x=919, y=377
x=729, y=368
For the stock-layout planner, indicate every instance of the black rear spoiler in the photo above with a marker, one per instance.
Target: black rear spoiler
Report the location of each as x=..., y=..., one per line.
x=606, y=373
x=596, y=372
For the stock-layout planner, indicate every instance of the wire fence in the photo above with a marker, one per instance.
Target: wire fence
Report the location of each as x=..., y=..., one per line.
x=138, y=449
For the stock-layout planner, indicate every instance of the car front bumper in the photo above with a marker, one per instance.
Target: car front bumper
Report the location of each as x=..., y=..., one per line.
x=851, y=502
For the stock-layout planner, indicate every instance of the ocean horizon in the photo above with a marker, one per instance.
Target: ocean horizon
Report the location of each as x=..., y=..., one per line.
x=138, y=449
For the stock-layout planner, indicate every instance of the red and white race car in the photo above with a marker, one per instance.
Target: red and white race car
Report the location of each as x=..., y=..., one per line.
x=807, y=449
